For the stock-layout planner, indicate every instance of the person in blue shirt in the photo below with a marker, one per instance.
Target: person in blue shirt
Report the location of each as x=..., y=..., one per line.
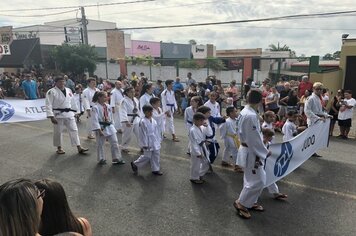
x=178, y=89
x=30, y=88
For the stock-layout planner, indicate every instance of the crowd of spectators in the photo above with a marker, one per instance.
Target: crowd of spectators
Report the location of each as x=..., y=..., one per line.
x=279, y=98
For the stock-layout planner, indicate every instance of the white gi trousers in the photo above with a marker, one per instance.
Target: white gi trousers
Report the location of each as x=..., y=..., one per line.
x=198, y=167
x=89, y=126
x=169, y=124
x=149, y=156
x=72, y=128
x=229, y=151
x=127, y=133
x=273, y=188
x=114, y=144
x=253, y=186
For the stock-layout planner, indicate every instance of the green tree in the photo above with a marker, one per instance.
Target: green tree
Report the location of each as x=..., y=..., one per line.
x=328, y=56
x=75, y=58
x=336, y=55
x=192, y=42
x=216, y=64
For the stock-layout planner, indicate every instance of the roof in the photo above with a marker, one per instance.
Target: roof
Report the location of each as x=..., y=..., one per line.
x=321, y=63
x=289, y=73
x=20, y=51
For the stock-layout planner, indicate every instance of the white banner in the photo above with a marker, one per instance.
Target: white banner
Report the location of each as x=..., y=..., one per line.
x=22, y=110
x=288, y=156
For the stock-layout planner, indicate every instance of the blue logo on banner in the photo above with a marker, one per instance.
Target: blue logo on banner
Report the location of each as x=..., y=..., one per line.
x=282, y=162
x=6, y=111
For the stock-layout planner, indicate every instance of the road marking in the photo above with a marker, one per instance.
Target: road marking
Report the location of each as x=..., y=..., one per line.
x=331, y=192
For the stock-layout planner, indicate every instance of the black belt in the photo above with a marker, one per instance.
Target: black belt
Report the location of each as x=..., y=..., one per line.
x=104, y=124
x=244, y=144
x=64, y=109
x=188, y=121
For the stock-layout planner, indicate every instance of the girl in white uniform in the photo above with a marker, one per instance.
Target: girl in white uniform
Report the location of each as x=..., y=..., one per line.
x=88, y=103
x=103, y=125
x=229, y=134
x=169, y=103
x=129, y=116
x=147, y=91
x=189, y=112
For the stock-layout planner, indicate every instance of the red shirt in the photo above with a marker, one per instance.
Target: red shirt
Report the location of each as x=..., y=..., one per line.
x=304, y=86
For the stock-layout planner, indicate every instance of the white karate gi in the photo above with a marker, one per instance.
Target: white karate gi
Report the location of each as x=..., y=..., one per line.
x=88, y=95
x=108, y=130
x=78, y=97
x=313, y=109
x=150, y=140
x=129, y=112
x=145, y=100
x=249, y=131
x=188, y=120
x=214, y=107
x=116, y=96
x=199, y=166
x=159, y=117
x=55, y=99
x=228, y=132
x=288, y=130
x=169, y=103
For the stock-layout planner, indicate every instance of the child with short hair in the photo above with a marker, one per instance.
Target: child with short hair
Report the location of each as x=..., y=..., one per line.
x=78, y=97
x=189, y=112
x=199, y=154
x=150, y=141
x=268, y=135
x=103, y=126
x=269, y=117
x=213, y=144
x=158, y=114
x=289, y=128
x=228, y=133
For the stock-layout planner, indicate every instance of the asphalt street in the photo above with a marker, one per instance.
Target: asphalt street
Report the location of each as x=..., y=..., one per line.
x=321, y=193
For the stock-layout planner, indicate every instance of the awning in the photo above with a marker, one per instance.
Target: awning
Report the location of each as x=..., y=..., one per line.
x=21, y=50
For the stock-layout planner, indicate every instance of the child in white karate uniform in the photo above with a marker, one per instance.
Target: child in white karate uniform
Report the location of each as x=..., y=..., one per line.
x=149, y=141
x=199, y=154
x=231, y=141
x=268, y=135
x=158, y=114
x=129, y=117
x=289, y=128
x=189, y=112
x=103, y=126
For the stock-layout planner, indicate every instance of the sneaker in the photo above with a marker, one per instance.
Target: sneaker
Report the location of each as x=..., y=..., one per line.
x=91, y=136
x=117, y=162
x=197, y=181
x=134, y=168
x=102, y=162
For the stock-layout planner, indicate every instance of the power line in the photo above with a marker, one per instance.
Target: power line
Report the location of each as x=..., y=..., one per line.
x=288, y=17
x=88, y=5
x=42, y=15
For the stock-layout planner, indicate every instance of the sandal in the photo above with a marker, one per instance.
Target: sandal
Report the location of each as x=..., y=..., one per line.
x=175, y=140
x=280, y=196
x=242, y=211
x=257, y=207
x=82, y=150
x=60, y=151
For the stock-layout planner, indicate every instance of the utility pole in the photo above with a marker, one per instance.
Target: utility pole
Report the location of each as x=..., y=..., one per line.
x=84, y=25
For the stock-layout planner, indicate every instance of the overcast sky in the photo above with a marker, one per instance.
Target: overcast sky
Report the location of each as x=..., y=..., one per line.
x=313, y=36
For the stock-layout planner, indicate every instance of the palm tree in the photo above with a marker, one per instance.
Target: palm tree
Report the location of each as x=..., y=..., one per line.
x=273, y=47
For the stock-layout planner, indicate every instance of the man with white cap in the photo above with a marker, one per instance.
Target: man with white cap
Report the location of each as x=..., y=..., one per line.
x=305, y=84
x=313, y=108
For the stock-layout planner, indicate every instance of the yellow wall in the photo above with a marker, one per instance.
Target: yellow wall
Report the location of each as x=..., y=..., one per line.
x=331, y=80
x=347, y=49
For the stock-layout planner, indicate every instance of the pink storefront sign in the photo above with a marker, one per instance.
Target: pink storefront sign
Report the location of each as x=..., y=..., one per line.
x=144, y=48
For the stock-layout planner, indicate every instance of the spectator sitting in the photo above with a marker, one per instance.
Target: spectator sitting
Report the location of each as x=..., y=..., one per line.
x=30, y=88
x=20, y=208
x=56, y=215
